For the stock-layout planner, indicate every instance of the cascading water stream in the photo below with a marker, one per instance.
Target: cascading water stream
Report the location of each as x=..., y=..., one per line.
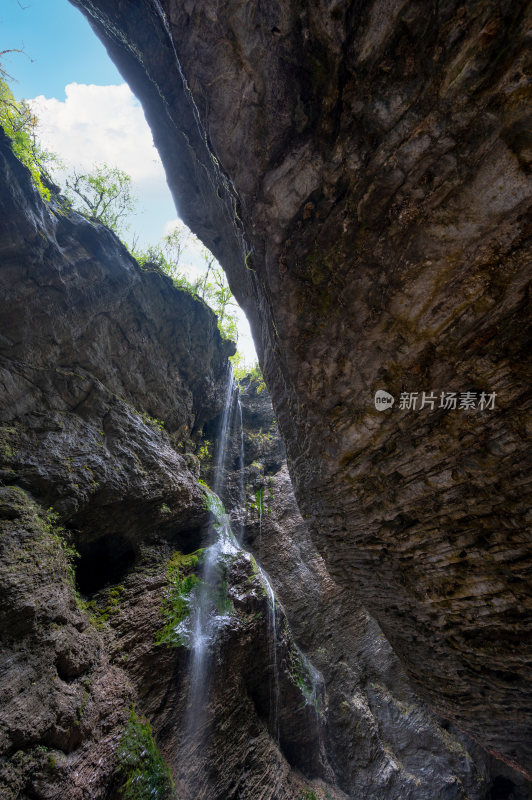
x=272, y=630
x=224, y=430
x=260, y=528
x=241, y=483
x=208, y=612
x=209, y=604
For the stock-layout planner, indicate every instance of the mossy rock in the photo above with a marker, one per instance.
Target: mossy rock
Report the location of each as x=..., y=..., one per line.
x=142, y=770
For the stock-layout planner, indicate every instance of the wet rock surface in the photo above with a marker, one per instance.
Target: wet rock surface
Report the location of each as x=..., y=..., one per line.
x=97, y=456
x=236, y=753
x=380, y=737
x=108, y=375
x=363, y=173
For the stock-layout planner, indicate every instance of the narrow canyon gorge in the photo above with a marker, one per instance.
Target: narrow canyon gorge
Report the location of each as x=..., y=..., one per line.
x=279, y=590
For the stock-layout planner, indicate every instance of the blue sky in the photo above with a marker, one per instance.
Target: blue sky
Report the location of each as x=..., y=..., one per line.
x=60, y=43
x=87, y=115
x=61, y=49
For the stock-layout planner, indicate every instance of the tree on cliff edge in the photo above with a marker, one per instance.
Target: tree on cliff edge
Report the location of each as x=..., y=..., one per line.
x=20, y=125
x=105, y=195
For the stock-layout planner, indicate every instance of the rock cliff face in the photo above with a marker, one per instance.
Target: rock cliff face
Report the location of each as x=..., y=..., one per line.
x=94, y=355
x=362, y=170
x=379, y=736
x=109, y=376
x=111, y=381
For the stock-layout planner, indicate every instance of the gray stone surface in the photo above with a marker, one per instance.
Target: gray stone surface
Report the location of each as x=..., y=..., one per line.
x=363, y=173
x=109, y=376
x=380, y=737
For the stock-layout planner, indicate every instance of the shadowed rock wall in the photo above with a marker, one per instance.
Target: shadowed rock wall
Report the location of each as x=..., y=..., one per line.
x=95, y=355
x=362, y=170
x=380, y=738
x=109, y=377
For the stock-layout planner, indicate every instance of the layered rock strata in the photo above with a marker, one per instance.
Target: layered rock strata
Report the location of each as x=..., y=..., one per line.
x=379, y=736
x=110, y=377
x=106, y=371
x=362, y=170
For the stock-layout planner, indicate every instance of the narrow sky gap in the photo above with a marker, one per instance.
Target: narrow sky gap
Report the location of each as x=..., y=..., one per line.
x=88, y=115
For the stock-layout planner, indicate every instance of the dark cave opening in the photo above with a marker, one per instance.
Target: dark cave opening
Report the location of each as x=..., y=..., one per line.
x=502, y=789
x=102, y=563
x=190, y=540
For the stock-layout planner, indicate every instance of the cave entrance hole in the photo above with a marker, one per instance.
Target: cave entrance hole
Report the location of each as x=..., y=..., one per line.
x=102, y=563
x=502, y=789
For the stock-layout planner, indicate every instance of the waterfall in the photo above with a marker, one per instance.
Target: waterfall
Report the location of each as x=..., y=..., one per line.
x=209, y=607
x=224, y=430
x=209, y=603
x=260, y=528
x=272, y=632
x=241, y=484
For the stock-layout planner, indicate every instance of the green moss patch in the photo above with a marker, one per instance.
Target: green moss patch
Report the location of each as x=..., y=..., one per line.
x=142, y=769
x=182, y=577
x=45, y=547
x=107, y=604
x=8, y=437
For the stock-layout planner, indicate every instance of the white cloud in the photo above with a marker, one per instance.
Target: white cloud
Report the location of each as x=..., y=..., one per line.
x=105, y=124
x=172, y=225
x=97, y=124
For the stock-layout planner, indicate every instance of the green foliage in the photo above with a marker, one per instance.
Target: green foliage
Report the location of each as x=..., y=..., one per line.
x=152, y=421
x=20, y=125
x=252, y=375
x=259, y=498
x=102, y=609
x=103, y=194
x=204, y=452
x=256, y=378
x=165, y=257
x=204, y=455
x=260, y=438
x=143, y=771
x=258, y=504
x=214, y=290
x=182, y=579
x=238, y=366
x=211, y=286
